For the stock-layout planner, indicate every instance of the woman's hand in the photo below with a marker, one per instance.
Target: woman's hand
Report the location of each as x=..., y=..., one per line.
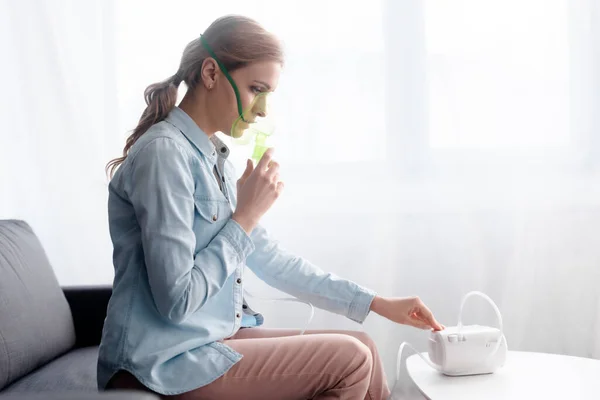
x=258, y=188
x=407, y=311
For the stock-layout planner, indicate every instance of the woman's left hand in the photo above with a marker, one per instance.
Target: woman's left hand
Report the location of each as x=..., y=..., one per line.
x=407, y=311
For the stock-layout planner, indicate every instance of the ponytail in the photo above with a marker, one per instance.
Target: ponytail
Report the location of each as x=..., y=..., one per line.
x=160, y=100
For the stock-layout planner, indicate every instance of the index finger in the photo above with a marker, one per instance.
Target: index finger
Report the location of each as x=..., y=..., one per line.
x=263, y=164
x=430, y=319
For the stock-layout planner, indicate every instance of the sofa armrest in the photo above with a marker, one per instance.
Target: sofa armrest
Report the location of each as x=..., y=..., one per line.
x=88, y=307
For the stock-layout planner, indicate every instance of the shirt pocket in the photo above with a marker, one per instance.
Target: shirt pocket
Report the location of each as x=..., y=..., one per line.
x=210, y=210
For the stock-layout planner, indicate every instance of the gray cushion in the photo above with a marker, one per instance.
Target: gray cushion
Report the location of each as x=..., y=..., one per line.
x=35, y=319
x=75, y=371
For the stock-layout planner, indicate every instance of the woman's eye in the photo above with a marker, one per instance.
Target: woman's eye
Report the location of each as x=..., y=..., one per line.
x=256, y=89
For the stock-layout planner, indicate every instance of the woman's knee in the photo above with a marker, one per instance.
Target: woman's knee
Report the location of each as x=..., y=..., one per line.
x=364, y=338
x=358, y=353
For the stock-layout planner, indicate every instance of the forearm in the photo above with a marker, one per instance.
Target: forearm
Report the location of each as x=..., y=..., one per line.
x=307, y=282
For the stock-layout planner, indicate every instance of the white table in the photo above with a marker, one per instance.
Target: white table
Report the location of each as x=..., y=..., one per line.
x=524, y=376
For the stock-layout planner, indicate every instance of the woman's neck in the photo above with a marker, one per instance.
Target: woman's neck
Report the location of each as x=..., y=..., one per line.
x=196, y=107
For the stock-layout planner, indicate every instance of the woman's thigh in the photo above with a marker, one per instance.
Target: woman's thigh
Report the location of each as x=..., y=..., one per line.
x=280, y=364
x=378, y=387
x=291, y=367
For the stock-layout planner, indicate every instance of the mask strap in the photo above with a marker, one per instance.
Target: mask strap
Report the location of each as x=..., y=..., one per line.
x=229, y=78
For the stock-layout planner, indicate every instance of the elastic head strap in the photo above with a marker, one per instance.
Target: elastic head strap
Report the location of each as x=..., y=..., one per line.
x=226, y=73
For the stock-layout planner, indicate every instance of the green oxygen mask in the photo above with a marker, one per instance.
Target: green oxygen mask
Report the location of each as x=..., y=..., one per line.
x=255, y=125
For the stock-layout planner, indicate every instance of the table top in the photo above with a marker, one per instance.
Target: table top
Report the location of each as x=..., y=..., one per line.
x=525, y=375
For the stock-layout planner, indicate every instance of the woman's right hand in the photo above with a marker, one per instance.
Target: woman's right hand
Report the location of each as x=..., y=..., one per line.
x=258, y=188
x=407, y=311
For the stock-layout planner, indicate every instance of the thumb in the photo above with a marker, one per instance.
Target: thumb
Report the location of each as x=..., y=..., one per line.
x=249, y=169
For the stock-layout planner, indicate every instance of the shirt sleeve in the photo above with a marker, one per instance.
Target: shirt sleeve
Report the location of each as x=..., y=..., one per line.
x=161, y=190
x=298, y=277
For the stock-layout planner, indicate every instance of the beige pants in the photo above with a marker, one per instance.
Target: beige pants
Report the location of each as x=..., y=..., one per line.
x=281, y=365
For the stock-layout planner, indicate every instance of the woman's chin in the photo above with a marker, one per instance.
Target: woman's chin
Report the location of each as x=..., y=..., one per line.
x=239, y=130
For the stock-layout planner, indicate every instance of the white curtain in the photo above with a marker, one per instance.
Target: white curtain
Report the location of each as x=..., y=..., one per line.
x=58, y=111
x=429, y=147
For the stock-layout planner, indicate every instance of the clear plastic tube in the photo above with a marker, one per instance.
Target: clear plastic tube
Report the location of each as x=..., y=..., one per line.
x=288, y=299
x=399, y=359
x=496, y=310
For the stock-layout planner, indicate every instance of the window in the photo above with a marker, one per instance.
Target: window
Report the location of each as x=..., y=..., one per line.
x=330, y=101
x=498, y=74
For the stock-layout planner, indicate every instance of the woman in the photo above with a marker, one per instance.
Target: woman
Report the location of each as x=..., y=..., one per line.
x=177, y=322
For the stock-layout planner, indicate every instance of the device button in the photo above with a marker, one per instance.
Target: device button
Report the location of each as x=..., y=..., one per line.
x=453, y=338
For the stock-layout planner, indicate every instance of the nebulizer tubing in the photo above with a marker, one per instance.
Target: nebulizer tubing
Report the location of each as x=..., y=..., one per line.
x=288, y=299
x=459, y=328
x=496, y=310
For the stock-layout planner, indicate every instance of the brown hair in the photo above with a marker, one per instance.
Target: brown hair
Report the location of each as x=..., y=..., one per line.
x=236, y=41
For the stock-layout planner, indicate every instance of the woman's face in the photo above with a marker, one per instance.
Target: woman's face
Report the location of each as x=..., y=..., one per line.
x=252, y=80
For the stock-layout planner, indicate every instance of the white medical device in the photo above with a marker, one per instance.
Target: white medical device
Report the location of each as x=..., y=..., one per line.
x=464, y=350
x=471, y=349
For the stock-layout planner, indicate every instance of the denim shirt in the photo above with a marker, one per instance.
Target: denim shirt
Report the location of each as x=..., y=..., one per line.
x=179, y=262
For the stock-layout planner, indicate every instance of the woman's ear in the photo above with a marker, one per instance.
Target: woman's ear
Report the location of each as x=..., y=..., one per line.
x=209, y=73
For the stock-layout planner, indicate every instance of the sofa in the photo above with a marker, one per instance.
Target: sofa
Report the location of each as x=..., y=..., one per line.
x=49, y=335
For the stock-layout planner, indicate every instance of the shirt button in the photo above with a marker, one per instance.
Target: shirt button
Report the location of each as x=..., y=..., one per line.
x=214, y=217
x=244, y=306
x=239, y=280
x=238, y=315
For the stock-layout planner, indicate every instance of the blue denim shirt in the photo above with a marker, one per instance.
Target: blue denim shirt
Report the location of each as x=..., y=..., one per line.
x=179, y=263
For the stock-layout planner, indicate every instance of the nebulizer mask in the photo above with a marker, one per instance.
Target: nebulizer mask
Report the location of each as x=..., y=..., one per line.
x=255, y=124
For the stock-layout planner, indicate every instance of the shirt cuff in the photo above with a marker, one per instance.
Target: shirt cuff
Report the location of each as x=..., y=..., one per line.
x=361, y=304
x=239, y=239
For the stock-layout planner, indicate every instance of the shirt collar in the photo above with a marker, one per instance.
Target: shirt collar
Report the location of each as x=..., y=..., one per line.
x=212, y=147
x=222, y=149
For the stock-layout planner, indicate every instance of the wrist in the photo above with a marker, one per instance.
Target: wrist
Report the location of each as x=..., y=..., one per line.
x=378, y=304
x=247, y=224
